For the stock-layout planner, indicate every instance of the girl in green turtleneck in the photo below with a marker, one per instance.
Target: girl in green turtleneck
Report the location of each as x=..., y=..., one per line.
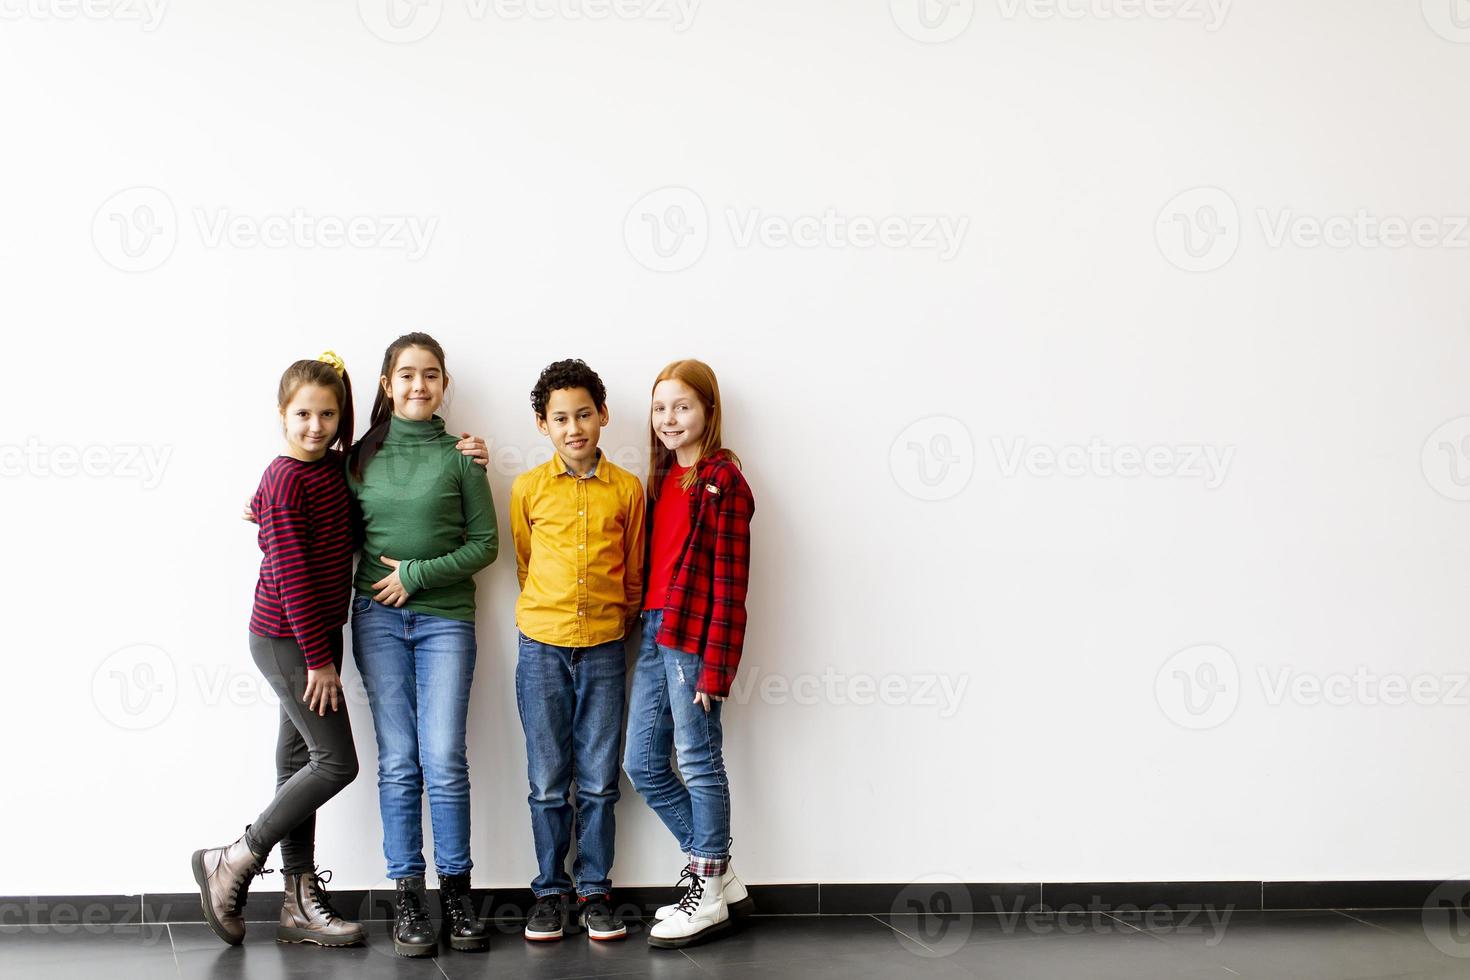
x=429, y=525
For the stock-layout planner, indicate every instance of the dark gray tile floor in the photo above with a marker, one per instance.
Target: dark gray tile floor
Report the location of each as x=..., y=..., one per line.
x=1341, y=945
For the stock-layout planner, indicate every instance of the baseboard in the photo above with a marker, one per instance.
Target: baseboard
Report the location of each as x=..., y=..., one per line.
x=871, y=898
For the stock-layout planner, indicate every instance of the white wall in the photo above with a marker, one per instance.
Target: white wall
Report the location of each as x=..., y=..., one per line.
x=1328, y=540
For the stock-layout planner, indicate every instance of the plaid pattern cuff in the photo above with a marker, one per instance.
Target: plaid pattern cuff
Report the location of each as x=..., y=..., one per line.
x=709, y=867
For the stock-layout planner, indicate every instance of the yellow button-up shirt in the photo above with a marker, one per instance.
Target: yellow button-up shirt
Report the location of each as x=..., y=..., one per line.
x=579, y=552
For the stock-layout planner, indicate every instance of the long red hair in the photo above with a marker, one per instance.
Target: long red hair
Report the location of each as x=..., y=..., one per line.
x=700, y=378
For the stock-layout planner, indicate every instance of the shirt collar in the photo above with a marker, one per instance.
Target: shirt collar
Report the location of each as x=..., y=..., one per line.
x=557, y=467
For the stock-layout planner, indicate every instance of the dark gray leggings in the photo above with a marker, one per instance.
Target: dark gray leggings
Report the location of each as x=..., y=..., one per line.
x=315, y=757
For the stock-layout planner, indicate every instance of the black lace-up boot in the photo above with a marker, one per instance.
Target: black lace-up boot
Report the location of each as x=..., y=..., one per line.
x=413, y=931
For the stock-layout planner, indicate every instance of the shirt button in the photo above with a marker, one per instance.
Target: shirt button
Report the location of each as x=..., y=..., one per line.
x=580, y=513
x=579, y=612
x=581, y=581
x=581, y=546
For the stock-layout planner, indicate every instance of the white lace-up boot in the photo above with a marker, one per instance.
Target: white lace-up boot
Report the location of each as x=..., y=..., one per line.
x=701, y=915
x=737, y=898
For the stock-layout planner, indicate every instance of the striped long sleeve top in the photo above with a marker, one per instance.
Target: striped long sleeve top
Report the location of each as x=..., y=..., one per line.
x=306, y=539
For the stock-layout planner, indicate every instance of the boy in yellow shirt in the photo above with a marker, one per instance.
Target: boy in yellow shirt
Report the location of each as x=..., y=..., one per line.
x=577, y=523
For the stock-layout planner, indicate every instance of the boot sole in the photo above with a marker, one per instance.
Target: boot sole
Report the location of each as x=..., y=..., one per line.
x=542, y=937
x=200, y=878
x=740, y=910
x=469, y=945
x=414, y=950
x=303, y=936
x=703, y=936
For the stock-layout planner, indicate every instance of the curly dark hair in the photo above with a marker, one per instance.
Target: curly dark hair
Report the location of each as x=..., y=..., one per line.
x=571, y=373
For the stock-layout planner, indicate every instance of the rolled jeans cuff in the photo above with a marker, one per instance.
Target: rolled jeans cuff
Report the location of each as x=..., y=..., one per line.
x=709, y=867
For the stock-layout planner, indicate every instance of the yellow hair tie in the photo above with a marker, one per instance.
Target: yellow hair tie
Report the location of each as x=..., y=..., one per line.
x=330, y=357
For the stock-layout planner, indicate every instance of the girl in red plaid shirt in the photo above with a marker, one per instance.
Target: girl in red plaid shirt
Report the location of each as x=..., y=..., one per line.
x=698, y=565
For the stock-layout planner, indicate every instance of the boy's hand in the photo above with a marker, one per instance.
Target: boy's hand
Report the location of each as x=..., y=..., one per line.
x=474, y=447
x=390, y=587
x=249, y=514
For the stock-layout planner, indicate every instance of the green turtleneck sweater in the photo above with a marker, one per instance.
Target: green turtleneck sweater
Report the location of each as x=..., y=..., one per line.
x=428, y=506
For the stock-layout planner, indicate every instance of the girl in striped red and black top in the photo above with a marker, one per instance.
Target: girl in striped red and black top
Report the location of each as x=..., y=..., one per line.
x=307, y=539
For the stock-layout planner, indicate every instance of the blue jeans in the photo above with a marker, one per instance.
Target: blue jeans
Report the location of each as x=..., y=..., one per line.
x=662, y=716
x=571, y=704
x=417, y=670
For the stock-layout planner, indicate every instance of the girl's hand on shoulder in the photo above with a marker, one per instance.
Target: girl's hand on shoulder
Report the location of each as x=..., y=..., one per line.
x=323, y=687
x=703, y=700
x=390, y=587
x=474, y=447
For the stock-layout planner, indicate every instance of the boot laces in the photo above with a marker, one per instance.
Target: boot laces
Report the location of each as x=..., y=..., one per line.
x=409, y=908
x=694, y=891
x=462, y=907
x=316, y=888
x=242, y=887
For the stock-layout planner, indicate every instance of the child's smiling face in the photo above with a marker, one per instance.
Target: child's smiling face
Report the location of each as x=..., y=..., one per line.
x=574, y=424
x=677, y=415
x=417, y=384
x=310, y=420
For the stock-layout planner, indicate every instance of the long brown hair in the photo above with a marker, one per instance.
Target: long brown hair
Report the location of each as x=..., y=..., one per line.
x=700, y=378
x=323, y=375
x=382, y=414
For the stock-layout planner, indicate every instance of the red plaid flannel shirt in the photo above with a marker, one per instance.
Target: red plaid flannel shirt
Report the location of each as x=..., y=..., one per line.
x=705, y=610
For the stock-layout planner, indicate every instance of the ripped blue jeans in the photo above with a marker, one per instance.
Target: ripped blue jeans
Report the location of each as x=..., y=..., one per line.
x=662, y=716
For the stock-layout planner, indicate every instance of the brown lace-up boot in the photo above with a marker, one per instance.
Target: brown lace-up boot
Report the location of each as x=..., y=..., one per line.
x=223, y=875
x=307, y=915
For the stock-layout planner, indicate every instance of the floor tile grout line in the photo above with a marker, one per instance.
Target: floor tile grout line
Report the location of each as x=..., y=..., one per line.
x=917, y=942
x=1365, y=922
x=174, y=951
x=1121, y=922
x=685, y=954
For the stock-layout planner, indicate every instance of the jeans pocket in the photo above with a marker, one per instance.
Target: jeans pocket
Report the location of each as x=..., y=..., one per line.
x=361, y=604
